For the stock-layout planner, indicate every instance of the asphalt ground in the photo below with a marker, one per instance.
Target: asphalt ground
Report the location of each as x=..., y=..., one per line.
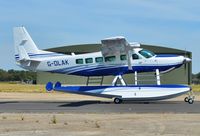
x=93, y=106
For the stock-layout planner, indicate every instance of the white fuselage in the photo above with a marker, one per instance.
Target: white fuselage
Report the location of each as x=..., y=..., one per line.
x=88, y=64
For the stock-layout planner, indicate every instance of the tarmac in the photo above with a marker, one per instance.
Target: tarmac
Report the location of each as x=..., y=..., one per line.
x=94, y=106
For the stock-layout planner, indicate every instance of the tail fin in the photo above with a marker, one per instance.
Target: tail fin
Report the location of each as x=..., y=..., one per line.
x=24, y=45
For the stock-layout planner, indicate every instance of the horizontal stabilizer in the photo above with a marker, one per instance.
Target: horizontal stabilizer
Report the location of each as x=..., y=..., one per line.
x=31, y=64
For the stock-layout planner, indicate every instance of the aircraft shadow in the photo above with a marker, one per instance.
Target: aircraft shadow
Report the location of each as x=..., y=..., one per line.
x=6, y=102
x=83, y=103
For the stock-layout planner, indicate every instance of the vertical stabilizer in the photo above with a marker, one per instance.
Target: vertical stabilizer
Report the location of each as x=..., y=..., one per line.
x=24, y=45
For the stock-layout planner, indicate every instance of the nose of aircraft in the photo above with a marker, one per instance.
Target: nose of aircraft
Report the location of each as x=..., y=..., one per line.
x=186, y=60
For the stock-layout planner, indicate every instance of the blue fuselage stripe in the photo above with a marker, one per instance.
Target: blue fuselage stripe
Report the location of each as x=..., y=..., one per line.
x=115, y=70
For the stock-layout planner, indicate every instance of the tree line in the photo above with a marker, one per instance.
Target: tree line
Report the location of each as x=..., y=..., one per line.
x=17, y=75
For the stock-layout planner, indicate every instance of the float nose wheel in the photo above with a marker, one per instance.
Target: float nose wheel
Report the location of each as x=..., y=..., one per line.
x=186, y=99
x=117, y=100
x=190, y=97
x=189, y=100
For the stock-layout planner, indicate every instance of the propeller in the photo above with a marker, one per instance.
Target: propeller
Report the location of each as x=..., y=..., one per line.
x=185, y=65
x=186, y=60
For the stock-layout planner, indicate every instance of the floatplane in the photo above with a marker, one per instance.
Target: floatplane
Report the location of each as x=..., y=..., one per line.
x=117, y=57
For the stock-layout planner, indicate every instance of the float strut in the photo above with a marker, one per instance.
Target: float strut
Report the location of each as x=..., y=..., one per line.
x=136, y=82
x=157, y=76
x=114, y=82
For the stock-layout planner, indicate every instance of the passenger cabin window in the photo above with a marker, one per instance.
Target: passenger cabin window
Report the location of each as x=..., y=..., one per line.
x=110, y=58
x=88, y=60
x=135, y=56
x=99, y=59
x=79, y=61
x=122, y=57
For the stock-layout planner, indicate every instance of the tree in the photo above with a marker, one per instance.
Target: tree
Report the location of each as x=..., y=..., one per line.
x=16, y=75
x=198, y=76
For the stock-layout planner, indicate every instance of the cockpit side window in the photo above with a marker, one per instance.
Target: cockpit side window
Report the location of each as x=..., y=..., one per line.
x=146, y=53
x=135, y=56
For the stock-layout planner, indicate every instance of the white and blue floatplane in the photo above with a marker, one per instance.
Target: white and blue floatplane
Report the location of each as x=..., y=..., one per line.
x=117, y=57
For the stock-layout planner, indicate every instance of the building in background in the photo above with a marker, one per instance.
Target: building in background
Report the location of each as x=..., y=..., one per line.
x=182, y=75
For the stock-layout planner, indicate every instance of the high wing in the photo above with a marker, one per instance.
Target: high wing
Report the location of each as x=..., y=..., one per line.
x=116, y=46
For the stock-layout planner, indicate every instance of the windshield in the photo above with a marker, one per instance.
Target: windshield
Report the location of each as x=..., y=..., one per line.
x=146, y=53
